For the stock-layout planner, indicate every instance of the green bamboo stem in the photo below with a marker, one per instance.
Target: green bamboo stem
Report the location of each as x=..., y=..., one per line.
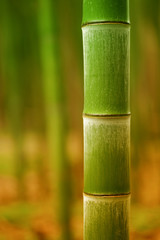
x=105, y=10
x=106, y=165
x=106, y=217
x=106, y=48
x=55, y=108
x=106, y=69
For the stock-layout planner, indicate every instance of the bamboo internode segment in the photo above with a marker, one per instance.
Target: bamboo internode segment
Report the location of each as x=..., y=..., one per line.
x=106, y=69
x=105, y=10
x=106, y=155
x=106, y=218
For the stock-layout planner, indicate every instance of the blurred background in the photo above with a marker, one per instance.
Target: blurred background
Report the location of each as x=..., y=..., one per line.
x=41, y=104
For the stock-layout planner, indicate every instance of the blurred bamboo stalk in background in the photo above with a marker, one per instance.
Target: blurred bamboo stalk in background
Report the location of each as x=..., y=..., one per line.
x=106, y=44
x=12, y=43
x=55, y=108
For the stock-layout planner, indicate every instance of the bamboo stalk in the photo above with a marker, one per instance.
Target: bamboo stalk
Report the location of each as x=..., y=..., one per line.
x=106, y=217
x=106, y=167
x=106, y=48
x=12, y=43
x=55, y=109
x=106, y=69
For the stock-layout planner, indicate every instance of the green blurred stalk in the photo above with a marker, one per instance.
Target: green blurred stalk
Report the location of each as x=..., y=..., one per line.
x=55, y=107
x=11, y=36
x=106, y=48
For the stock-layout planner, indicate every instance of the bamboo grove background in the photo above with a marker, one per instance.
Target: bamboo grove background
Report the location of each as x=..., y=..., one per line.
x=41, y=102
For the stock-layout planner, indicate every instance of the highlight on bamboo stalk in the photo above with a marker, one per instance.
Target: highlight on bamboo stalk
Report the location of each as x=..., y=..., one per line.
x=106, y=49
